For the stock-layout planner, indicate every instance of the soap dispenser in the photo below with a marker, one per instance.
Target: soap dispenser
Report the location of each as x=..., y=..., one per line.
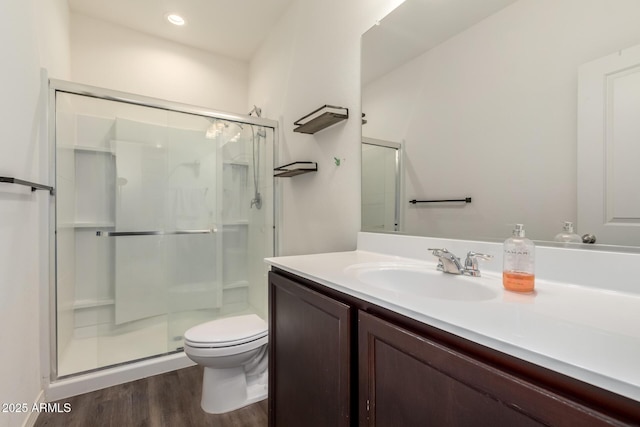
x=568, y=235
x=518, y=262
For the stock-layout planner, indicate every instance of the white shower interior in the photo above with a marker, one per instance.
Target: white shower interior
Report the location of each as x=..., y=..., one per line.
x=128, y=168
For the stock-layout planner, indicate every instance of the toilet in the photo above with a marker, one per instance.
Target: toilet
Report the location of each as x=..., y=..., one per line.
x=233, y=352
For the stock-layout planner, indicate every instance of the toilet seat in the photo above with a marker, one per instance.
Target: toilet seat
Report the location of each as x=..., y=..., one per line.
x=228, y=332
x=200, y=350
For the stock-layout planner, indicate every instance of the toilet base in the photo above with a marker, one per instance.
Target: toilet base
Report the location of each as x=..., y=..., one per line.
x=225, y=390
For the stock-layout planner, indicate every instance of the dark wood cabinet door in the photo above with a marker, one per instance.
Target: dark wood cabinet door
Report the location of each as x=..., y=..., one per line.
x=309, y=357
x=406, y=380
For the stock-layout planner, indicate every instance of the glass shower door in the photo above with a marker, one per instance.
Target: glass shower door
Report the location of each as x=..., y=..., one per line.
x=165, y=228
x=157, y=227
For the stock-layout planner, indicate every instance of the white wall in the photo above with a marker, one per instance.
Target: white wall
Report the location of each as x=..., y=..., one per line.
x=114, y=57
x=491, y=113
x=53, y=32
x=27, y=44
x=312, y=58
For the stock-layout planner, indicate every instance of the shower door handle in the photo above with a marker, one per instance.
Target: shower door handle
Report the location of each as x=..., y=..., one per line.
x=152, y=233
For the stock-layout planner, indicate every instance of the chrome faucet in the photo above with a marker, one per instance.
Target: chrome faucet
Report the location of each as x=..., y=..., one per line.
x=449, y=263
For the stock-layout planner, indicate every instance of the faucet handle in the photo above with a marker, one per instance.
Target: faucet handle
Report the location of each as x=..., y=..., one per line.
x=473, y=255
x=438, y=251
x=471, y=263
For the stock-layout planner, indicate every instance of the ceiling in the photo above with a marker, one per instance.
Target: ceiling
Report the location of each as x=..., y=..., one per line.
x=233, y=28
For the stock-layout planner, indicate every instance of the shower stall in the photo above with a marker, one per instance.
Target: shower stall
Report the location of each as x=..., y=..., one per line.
x=163, y=215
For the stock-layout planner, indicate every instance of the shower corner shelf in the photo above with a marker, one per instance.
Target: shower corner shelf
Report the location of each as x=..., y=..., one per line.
x=295, y=168
x=322, y=118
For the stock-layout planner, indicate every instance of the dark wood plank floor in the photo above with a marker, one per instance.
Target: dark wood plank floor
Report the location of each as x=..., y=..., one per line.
x=171, y=399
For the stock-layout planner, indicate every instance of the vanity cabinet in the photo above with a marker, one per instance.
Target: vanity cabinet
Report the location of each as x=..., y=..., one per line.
x=309, y=357
x=407, y=379
x=351, y=362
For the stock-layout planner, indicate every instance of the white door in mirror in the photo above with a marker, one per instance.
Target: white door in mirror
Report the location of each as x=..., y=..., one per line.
x=609, y=148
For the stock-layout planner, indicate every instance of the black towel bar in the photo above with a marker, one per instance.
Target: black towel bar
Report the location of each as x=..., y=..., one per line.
x=465, y=200
x=34, y=186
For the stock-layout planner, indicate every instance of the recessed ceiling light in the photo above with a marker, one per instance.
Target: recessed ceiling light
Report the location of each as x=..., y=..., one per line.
x=175, y=19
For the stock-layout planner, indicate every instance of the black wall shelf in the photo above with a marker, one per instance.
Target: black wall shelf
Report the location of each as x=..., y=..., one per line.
x=295, y=168
x=322, y=118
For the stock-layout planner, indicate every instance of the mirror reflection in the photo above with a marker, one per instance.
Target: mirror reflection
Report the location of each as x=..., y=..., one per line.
x=528, y=107
x=381, y=171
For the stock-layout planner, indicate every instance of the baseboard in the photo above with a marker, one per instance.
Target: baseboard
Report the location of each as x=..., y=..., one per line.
x=30, y=421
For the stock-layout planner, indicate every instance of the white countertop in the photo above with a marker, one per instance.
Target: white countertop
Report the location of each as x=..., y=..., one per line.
x=585, y=332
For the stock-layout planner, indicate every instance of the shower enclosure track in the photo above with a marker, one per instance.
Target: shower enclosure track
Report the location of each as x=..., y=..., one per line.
x=151, y=233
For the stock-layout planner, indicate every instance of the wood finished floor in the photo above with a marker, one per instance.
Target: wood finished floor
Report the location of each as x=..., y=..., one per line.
x=171, y=400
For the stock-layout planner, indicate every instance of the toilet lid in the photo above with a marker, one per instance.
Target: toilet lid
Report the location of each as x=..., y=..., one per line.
x=230, y=330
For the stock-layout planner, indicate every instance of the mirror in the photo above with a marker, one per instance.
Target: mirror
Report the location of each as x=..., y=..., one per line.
x=484, y=97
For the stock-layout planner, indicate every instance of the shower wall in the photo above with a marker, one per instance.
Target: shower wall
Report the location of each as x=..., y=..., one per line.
x=123, y=168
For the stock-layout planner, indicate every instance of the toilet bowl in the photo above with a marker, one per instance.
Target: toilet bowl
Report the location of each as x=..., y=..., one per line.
x=233, y=352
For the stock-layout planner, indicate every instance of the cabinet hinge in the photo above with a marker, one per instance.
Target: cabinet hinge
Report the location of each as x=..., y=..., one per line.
x=367, y=405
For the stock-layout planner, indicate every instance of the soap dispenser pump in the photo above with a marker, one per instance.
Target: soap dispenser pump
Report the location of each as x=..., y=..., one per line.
x=518, y=274
x=567, y=235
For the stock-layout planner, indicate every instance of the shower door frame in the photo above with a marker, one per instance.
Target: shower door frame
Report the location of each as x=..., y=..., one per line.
x=63, y=86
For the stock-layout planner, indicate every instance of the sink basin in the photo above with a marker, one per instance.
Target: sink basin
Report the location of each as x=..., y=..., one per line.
x=422, y=281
